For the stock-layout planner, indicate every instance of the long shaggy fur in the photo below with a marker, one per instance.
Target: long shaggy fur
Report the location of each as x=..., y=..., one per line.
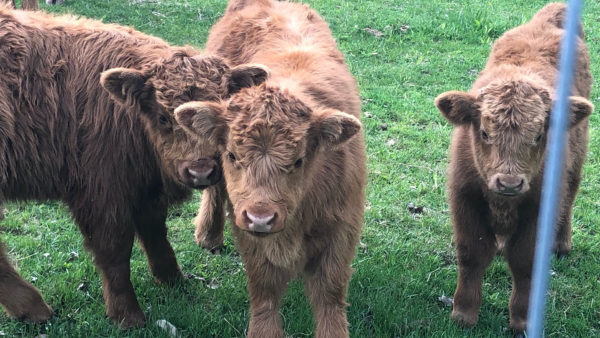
x=290, y=148
x=114, y=164
x=501, y=128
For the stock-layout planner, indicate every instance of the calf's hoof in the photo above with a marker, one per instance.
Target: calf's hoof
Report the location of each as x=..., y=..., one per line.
x=36, y=313
x=129, y=321
x=464, y=319
x=40, y=313
x=275, y=332
x=169, y=276
x=126, y=315
x=562, y=249
x=214, y=245
x=27, y=304
x=518, y=325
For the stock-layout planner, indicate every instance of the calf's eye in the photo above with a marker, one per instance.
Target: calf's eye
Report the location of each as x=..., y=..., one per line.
x=538, y=139
x=231, y=157
x=163, y=120
x=484, y=135
x=298, y=163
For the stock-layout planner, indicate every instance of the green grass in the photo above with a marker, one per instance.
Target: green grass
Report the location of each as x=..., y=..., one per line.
x=428, y=47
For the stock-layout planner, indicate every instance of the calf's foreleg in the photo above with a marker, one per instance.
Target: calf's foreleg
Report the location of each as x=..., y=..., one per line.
x=519, y=255
x=110, y=238
x=152, y=234
x=475, y=247
x=326, y=289
x=31, y=5
x=19, y=298
x=266, y=285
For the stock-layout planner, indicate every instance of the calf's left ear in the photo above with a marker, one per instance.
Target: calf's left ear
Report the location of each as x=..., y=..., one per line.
x=333, y=127
x=247, y=75
x=580, y=109
x=126, y=86
x=203, y=119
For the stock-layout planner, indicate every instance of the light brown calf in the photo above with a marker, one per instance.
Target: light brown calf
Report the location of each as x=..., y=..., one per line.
x=293, y=159
x=497, y=156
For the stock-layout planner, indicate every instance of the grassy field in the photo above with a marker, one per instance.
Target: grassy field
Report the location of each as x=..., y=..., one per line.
x=403, y=53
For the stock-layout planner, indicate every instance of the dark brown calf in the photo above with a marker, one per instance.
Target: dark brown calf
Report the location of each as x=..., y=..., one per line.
x=497, y=156
x=117, y=165
x=294, y=161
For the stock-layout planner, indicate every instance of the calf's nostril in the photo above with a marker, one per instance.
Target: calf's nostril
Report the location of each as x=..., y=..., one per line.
x=274, y=219
x=260, y=219
x=198, y=173
x=246, y=218
x=499, y=183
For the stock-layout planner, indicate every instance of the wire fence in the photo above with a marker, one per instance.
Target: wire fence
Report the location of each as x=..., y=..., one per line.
x=552, y=174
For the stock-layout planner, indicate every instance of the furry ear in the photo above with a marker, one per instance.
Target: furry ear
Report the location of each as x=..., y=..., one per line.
x=580, y=108
x=126, y=86
x=457, y=107
x=247, y=75
x=203, y=119
x=332, y=127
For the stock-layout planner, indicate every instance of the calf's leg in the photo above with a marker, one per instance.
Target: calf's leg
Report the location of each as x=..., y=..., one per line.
x=19, y=298
x=475, y=247
x=326, y=288
x=210, y=220
x=266, y=285
x=31, y=5
x=519, y=255
x=152, y=234
x=563, y=242
x=110, y=238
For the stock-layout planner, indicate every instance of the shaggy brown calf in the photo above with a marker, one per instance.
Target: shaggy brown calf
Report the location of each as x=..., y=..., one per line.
x=497, y=156
x=118, y=166
x=294, y=160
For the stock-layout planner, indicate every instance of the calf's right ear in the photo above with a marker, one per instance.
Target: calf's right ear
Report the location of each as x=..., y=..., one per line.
x=203, y=119
x=457, y=107
x=247, y=75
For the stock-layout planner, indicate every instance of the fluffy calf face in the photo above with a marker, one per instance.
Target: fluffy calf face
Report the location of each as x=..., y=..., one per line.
x=156, y=91
x=509, y=123
x=270, y=145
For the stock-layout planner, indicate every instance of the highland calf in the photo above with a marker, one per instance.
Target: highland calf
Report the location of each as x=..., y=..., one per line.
x=293, y=160
x=497, y=156
x=116, y=165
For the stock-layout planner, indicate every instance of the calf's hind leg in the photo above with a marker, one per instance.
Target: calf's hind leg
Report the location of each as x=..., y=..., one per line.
x=563, y=242
x=152, y=233
x=19, y=298
x=210, y=220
